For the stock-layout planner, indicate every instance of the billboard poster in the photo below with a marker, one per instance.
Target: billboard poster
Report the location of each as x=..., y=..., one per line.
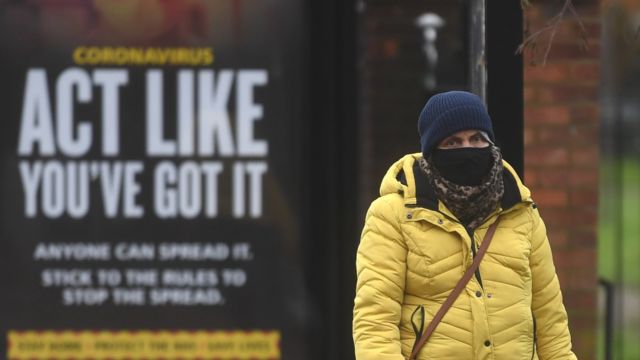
x=150, y=191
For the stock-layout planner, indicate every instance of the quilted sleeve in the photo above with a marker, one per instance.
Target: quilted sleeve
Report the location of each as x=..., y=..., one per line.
x=380, y=265
x=553, y=338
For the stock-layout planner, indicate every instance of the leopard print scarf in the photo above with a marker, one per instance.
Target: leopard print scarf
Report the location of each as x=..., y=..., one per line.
x=470, y=204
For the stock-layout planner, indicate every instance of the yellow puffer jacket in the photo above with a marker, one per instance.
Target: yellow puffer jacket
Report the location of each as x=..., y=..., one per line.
x=412, y=253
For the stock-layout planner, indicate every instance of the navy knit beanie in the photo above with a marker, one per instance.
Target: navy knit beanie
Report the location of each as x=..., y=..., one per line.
x=449, y=112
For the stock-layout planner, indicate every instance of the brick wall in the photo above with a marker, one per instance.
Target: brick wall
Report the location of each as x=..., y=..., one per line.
x=561, y=157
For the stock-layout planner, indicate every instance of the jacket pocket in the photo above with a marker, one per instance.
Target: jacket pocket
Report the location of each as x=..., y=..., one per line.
x=535, y=338
x=417, y=322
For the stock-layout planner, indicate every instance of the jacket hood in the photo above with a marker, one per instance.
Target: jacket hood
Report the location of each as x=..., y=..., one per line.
x=405, y=177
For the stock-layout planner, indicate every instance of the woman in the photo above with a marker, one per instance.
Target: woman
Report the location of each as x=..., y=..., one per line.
x=422, y=233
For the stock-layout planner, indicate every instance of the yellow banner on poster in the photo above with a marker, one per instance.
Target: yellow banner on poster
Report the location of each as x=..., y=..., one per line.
x=138, y=345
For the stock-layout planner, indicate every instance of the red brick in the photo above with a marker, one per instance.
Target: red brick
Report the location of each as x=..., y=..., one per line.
x=546, y=155
x=570, y=31
x=572, y=280
x=584, y=341
x=555, y=219
x=552, y=178
x=584, y=197
x=581, y=300
x=529, y=94
x=546, y=96
x=568, y=135
x=587, y=321
x=585, y=135
x=551, y=198
x=583, y=216
x=557, y=244
x=576, y=258
x=583, y=178
x=583, y=238
x=574, y=52
x=586, y=156
x=564, y=94
x=593, y=29
x=589, y=315
x=542, y=11
x=589, y=10
x=582, y=317
x=559, y=239
x=581, y=282
x=555, y=135
x=549, y=73
x=546, y=115
x=586, y=113
x=588, y=71
x=532, y=12
x=530, y=176
x=582, y=324
x=530, y=137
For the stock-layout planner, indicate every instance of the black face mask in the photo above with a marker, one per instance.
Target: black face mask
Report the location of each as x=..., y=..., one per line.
x=463, y=166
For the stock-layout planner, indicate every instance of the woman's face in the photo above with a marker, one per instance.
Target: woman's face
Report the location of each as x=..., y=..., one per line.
x=462, y=139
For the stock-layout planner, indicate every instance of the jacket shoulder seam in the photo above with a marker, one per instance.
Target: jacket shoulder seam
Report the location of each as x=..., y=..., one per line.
x=394, y=211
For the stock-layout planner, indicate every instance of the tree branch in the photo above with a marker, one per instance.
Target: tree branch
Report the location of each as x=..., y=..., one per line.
x=530, y=41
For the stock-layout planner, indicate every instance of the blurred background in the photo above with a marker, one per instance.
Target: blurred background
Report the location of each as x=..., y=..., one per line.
x=337, y=87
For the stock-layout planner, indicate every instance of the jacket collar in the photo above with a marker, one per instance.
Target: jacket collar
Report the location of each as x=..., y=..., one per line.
x=426, y=196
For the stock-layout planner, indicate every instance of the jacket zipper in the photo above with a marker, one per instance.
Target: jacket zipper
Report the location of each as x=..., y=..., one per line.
x=535, y=337
x=474, y=250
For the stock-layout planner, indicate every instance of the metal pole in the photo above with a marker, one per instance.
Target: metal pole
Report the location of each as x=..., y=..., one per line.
x=609, y=289
x=477, y=63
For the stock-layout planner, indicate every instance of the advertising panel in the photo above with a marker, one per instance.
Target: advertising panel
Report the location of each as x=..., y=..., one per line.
x=150, y=185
